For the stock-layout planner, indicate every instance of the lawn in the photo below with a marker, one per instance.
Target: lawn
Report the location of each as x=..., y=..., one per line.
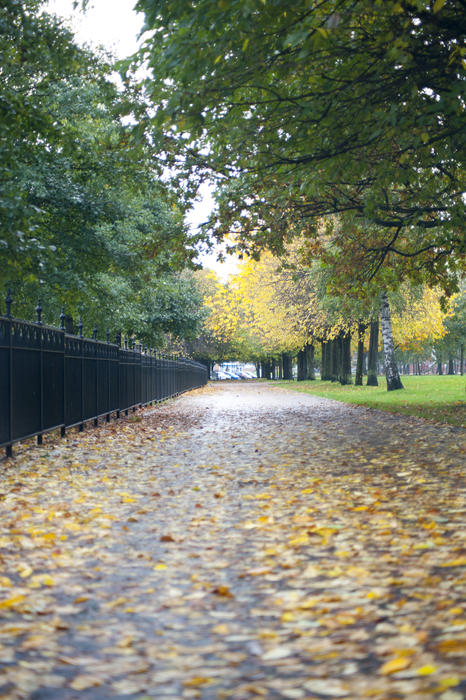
x=440, y=399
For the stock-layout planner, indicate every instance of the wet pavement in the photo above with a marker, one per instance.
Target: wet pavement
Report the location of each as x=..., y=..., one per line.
x=241, y=541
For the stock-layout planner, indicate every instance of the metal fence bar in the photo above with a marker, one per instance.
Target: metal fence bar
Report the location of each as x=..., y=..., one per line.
x=50, y=379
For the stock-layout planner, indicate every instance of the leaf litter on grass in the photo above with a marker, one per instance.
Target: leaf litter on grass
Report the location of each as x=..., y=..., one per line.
x=236, y=543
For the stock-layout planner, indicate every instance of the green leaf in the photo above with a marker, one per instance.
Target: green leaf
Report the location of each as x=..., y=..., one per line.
x=438, y=4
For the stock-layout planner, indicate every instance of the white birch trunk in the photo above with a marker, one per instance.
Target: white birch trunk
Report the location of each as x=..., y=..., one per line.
x=390, y=368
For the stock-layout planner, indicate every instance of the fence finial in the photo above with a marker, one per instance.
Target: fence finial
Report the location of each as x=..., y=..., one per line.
x=107, y=335
x=8, y=301
x=62, y=318
x=94, y=332
x=39, y=312
x=80, y=328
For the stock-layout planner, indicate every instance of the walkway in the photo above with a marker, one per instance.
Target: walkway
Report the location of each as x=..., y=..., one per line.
x=240, y=542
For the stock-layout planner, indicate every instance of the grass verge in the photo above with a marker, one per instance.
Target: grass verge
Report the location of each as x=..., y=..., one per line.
x=440, y=399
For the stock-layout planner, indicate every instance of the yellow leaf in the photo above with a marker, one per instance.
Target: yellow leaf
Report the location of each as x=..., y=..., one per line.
x=345, y=619
x=395, y=665
x=461, y=561
x=41, y=580
x=159, y=567
x=197, y=681
x=452, y=646
x=245, y=44
x=309, y=603
x=288, y=617
x=116, y=603
x=426, y=670
x=25, y=572
x=11, y=602
x=5, y=581
x=49, y=536
x=446, y=683
x=304, y=491
x=81, y=599
x=221, y=629
x=298, y=541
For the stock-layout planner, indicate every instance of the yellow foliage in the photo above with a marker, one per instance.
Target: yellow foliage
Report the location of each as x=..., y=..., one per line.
x=264, y=307
x=422, y=321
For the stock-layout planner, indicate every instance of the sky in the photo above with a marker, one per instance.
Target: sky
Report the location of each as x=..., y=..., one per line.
x=110, y=23
x=115, y=25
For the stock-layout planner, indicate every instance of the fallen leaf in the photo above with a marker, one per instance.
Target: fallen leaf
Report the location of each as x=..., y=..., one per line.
x=397, y=664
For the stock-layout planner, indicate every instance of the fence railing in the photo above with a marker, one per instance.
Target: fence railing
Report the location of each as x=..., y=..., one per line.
x=50, y=379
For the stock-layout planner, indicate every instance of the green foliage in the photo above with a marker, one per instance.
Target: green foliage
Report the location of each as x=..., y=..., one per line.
x=455, y=324
x=308, y=109
x=86, y=221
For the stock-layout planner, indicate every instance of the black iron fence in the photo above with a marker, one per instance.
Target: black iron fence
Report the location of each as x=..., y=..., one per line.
x=50, y=379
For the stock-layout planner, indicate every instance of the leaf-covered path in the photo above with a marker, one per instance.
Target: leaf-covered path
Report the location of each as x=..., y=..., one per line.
x=239, y=542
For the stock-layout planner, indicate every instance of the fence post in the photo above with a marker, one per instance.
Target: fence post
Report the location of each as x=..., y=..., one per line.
x=96, y=394
x=80, y=331
x=62, y=328
x=41, y=371
x=9, y=448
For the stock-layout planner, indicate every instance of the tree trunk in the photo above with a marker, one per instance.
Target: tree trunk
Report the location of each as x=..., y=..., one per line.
x=439, y=365
x=360, y=358
x=372, y=354
x=323, y=362
x=287, y=365
x=265, y=369
x=309, y=349
x=390, y=368
x=334, y=359
x=302, y=365
x=272, y=368
x=327, y=368
x=345, y=358
x=461, y=359
x=451, y=369
x=280, y=368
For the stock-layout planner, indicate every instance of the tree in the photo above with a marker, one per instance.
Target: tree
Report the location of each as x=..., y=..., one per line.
x=453, y=341
x=312, y=109
x=88, y=224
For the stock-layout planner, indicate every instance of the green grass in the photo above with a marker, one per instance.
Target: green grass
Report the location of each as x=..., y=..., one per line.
x=440, y=399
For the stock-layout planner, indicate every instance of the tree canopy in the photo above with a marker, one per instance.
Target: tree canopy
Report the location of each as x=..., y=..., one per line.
x=86, y=220
x=315, y=108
